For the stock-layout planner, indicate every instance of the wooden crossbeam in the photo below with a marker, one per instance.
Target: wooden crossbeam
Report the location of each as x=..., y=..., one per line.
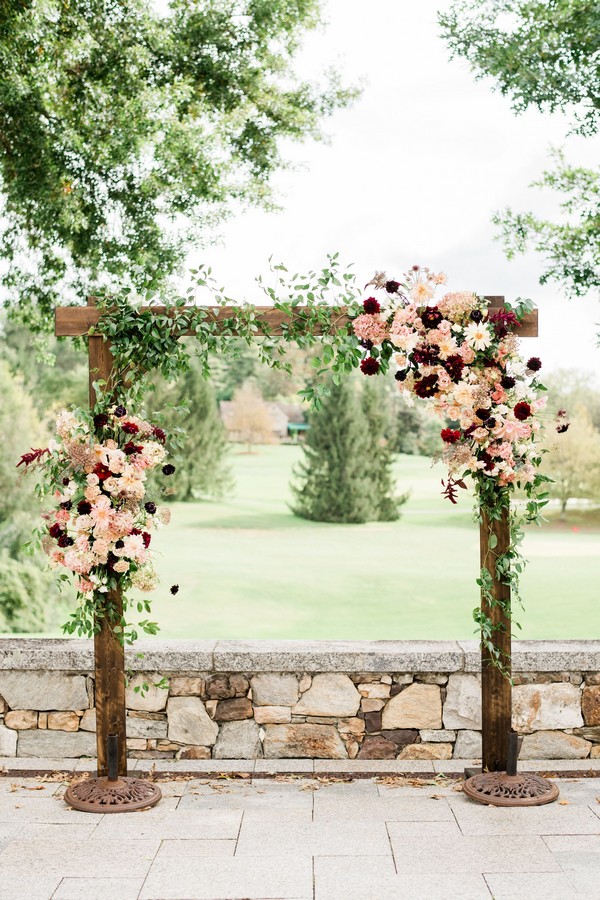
x=75, y=321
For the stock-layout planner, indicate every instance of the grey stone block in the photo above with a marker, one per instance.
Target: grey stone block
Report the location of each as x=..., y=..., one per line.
x=43, y=690
x=57, y=743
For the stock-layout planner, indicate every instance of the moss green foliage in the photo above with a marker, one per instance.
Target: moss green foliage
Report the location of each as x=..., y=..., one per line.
x=543, y=54
x=127, y=131
x=24, y=591
x=345, y=475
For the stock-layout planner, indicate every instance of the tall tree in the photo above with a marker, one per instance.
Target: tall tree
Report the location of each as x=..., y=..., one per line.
x=126, y=131
x=543, y=54
x=338, y=479
x=376, y=407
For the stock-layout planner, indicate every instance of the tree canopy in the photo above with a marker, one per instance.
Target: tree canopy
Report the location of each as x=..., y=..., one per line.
x=125, y=133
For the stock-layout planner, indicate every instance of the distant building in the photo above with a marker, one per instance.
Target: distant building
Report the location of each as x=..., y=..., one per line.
x=286, y=419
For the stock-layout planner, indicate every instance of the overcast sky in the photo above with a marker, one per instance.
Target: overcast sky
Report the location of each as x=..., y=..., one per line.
x=412, y=173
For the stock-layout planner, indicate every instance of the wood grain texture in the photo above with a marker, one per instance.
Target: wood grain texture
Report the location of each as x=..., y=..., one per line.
x=76, y=320
x=109, y=660
x=496, y=692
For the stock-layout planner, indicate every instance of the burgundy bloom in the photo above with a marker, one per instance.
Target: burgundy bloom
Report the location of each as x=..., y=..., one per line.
x=84, y=508
x=522, y=411
x=431, y=317
x=159, y=434
x=507, y=382
x=454, y=366
x=483, y=414
x=100, y=420
x=469, y=431
x=65, y=480
x=562, y=428
x=491, y=422
x=366, y=345
x=371, y=305
x=168, y=469
x=425, y=356
x=130, y=427
x=120, y=544
x=174, y=589
x=65, y=541
x=66, y=505
x=131, y=448
x=401, y=375
x=150, y=507
x=534, y=364
x=55, y=530
x=120, y=411
x=426, y=386
x=146, y=537
x=476, y=315
x=369, y=365
x=449, y=435
x=103, y=472
x=392, y=287
x=503, y=320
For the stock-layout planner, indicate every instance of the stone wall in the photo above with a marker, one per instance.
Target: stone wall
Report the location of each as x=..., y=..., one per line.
x=329, y=700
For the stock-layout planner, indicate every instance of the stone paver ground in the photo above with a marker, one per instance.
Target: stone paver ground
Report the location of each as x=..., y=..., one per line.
x=304, y=836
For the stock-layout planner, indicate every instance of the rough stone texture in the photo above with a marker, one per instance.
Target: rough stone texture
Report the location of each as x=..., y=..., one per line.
x=189, y=723
x=462, y=708
x=377, y=747
x=427, y=751
x=418, y=706
x=186, y=686
x=239, y=685
x=275, y=715
x=3, y=705
x=401, y=736
x=146, y=728
x=329, y=695
x=353, y=725
x=194, y=753
x=136, y=744
x=590, y=705
x=595, y=752
x=8, y=741
x=88, y=720
x=538, y=707
x=590, y=734
x=218, y=687
x=371, y=705
x=373, y=721
x=442, y=735
x=234, y=709
x=554, y=745
x=42, y=720
x=43, y=690
x=468, y=745
x=152, y=700
x=21, y=719
x=239, y=740
x=63, y=721
x=274, y=690
x=57, y=744
x=374, y=691
x=303, y=741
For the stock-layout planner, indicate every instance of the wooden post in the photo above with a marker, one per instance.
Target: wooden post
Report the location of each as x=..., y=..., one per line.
x=496, y=699
x=109, y=657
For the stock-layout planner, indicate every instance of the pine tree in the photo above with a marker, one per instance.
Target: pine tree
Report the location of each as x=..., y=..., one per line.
x=376, y=410
x=333, y=481
x=201, y=467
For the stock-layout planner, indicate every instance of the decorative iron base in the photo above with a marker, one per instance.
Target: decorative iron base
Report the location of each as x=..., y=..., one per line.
x=100, y=795
x=500, y=789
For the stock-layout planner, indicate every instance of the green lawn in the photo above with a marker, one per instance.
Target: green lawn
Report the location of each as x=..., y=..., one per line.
x=248, y=568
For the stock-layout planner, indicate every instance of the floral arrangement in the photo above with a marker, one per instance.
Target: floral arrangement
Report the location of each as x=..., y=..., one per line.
x=100, y=529
x=462, y=357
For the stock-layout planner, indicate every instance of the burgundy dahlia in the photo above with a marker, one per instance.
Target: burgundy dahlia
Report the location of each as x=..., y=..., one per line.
x=427, y=386
x=84, y=508
x=392, y=287
x=476, y=315
x=120, y=411
x=483, y=414
x=425, y=356
x=371, y=305
x=130, y=427
x=150, y=507
x=522, y=411
x=369, y=365
x=159, y=434
x=431, y=317
x=507, y=382
x=65, y=541
x=103, y=472
x=450, y=435
x=168, y=469
x=100, y=420
x=131, y=448
x=534, y=364
x=401, y=375
x=454, y=366
x=55, y=530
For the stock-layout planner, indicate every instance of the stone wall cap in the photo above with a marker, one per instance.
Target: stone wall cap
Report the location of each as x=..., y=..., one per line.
x=542, y=656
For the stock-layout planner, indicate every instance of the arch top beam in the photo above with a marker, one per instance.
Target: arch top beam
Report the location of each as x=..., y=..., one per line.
x=75, y=321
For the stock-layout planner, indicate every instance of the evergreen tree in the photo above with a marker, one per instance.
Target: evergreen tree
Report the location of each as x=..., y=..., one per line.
x=376, y=410
x=202, y=470
x=334, y=482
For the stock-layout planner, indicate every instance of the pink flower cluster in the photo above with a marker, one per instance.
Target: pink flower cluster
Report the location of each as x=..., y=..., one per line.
x=462, y=358
x=100, y=528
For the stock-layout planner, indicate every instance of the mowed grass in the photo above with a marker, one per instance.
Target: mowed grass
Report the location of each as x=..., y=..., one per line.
x=248, y=568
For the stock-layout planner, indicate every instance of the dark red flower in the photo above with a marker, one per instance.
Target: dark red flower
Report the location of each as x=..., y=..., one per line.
x=84, y=508
x=168, y=469
x=476, y=315
x=483, y=414
x=369, y=365
x=159, y=434
x=100, y=420
x=65, y=541
x=534, y=364
x=427, y=386
x=120, y=411
x=131, y=448
x=507, y=382
x=150, y=507
x=130, y=427
x=425, y=356
x=366, y=345
x=174, y=589
x=401, y=375
x=449, y=435
x=146, y=537
x=66, y=505
x=522, y=411
x=392, y=287
x=562, y=428
x=431, y=317
x=503, y=320
x=371, y=305
x=103, y=472
x=55, y=530
x=454, y=366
